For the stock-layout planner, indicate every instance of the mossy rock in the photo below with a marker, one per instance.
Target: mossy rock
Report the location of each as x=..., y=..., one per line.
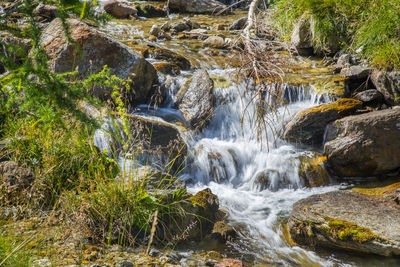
x=166, y=55
x=312, y=170
x=347, y=220
x=308, y=126
x=167, y=68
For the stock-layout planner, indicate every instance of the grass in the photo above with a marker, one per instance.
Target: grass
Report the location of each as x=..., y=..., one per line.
x=11, y=254
x=370, y=26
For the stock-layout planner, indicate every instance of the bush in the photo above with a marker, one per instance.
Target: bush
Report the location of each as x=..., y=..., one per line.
x=370, y=25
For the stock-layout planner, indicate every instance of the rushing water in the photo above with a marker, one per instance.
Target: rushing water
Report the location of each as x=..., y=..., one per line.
x=255, y=175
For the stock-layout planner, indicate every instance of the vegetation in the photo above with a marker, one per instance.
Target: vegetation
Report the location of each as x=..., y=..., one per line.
x=369, y=26
x=48, y=134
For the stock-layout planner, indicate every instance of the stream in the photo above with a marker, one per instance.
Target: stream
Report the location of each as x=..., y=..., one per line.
x=229, y=157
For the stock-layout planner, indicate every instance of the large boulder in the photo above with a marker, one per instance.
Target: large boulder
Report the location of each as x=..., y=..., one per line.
x=198, y=100
x=347, y=220
x=198, y=6
x=388, y=83
x=364, y=145
x=308, y=126
x=119, y=10
x=91, y=51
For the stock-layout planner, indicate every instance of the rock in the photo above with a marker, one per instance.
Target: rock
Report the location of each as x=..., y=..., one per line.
x=215, y=42
x=192, y=24
x=165, y=26
x=308, y=125
x=167, y=68
x=124, y=263
x=312, y=170
x=179, y=26
x=151, y=11
x=230, y=263
x=302, y=37
x=343, y=61
x=159, y=142
x=198, y=6
x=355, y=73
x=388, y=83
x=98, y=50
x=41, y=263
x=197, y=222
x=347, y=220
x=370, y=96
x=119, y=10
x=364, y=145
x=46, y=11
x=155, y=30
x=198, y=102
x=223, y=232
x=239, y=24
x=167, y=55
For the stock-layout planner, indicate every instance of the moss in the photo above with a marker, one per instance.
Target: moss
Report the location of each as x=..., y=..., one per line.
x=345, y=231
x=220, y=82
x=377, y=191
x=201, y=198
x=344, y=104
x=312, y=170
x=168, y=68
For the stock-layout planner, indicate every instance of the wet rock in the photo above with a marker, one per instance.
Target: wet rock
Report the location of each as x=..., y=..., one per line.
x=45, y=11
x=239, y=24
x=370, y=96
x=167, y=55
x=179, y=26
x=301, y=37
x=151, y=11
x=308, y=125
x=155, y=30
x=124, y=263
x=165, y=26
x=223, y=232
x=119, y=10
x=98, y=50
x=388, y=83
x=198, y=100
x=347, y=220
x=364, y=145
x=312, y=170
x=192, y=24
x=167, y=68
x=215, y=42
x=197, y=6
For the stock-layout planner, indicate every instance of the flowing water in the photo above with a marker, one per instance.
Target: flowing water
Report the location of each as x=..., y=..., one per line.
x=255, y=176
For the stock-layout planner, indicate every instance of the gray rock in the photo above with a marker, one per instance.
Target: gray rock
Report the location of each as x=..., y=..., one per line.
x=155, y=30
x=347, y=220
x=343, y=60
x=364, y=145
x=180, y=26
x=215, y=42
x=198, y=102
x=370, y=96
x=119, y=10
x=98, y=50
x=388, y=83
x=308, y=126
x=239, y=24
x=165, y=26
x=197, y=6
x=192, y=24
x=356, y=73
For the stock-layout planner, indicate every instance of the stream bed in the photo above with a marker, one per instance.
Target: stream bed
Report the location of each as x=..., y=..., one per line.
x=232, y=158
